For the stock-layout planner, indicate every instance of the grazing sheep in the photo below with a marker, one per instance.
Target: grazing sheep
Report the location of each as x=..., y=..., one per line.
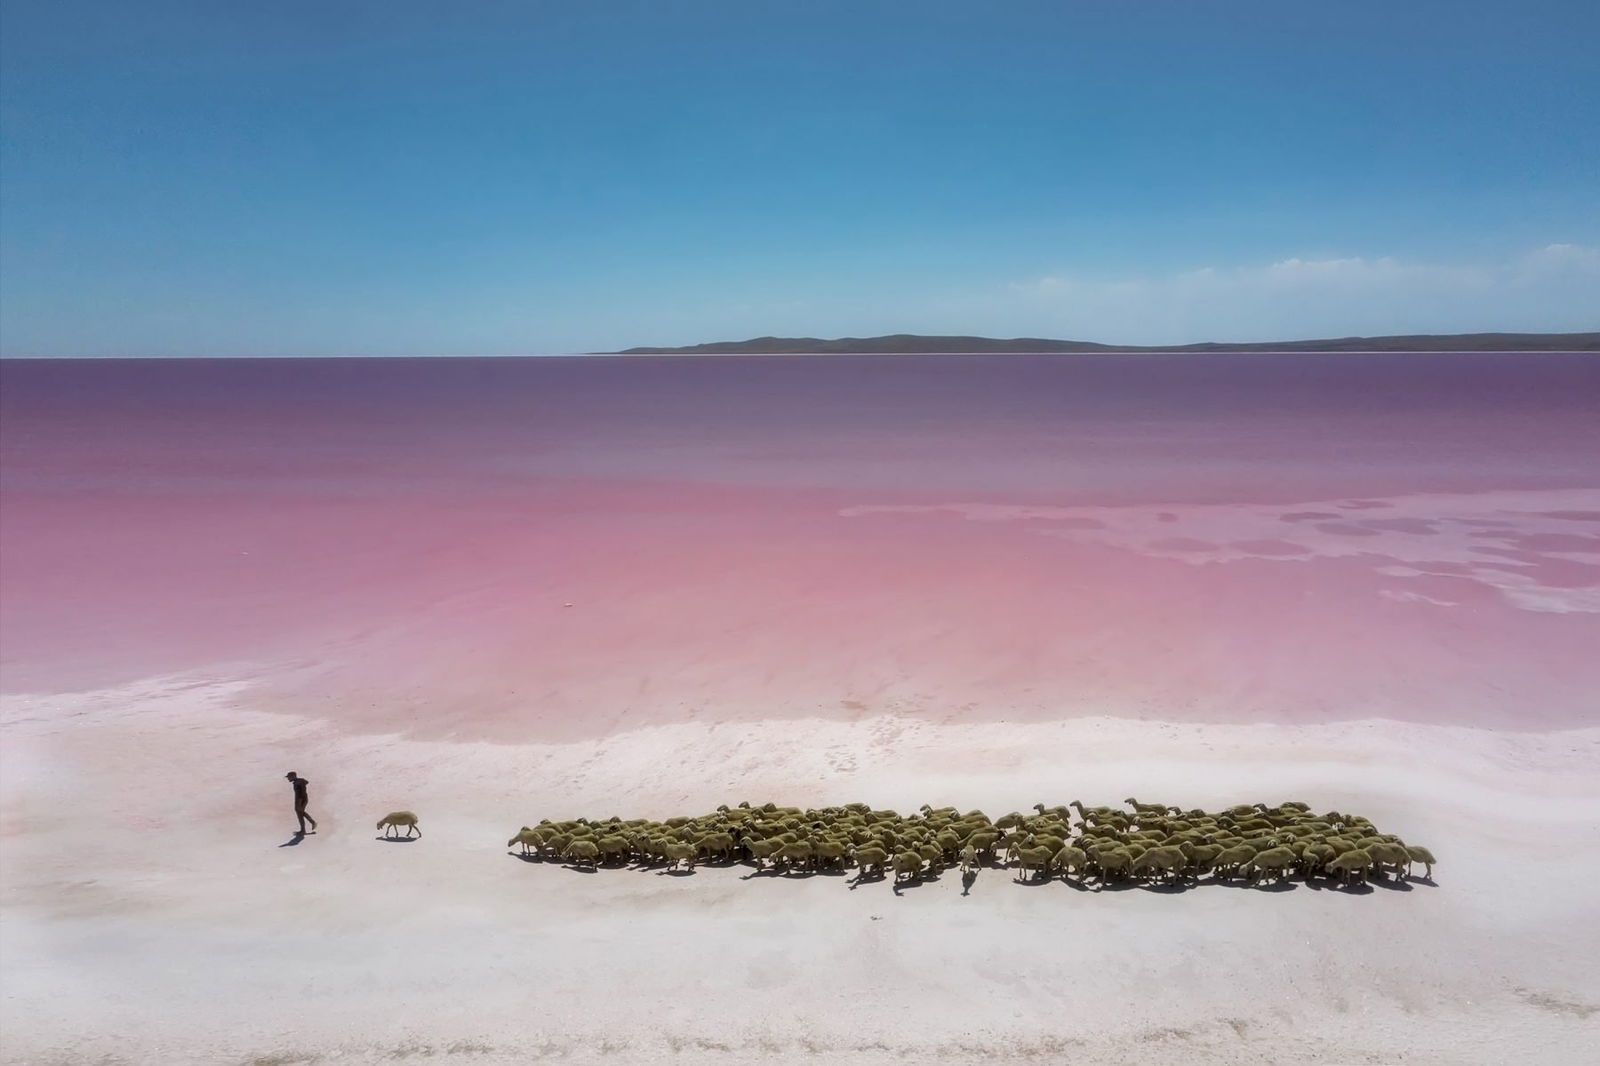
x=1353, y=865
x=582, y=853
x=1155, y=841
x=1387, y=855
x=1314, y=857
x=1416, y=853
x=395, y=819
x=1070, y=860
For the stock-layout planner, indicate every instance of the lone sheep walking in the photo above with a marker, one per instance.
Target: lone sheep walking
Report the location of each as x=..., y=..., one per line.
x=395, y=819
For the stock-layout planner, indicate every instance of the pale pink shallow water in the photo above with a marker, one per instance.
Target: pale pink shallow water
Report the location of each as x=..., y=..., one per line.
x=1222, y=538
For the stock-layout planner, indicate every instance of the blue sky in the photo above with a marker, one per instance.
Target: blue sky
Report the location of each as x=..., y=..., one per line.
x=408, y=178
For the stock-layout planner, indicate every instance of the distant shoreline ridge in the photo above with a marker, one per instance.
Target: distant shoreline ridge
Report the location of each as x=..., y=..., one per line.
x=919, y=344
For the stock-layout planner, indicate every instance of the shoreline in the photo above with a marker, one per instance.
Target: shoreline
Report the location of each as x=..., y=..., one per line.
x=143, y=883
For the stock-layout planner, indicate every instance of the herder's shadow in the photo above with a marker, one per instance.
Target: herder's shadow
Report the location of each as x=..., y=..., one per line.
x=292, y=841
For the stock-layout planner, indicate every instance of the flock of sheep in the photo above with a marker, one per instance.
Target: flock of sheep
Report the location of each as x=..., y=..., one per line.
x=1149, y=842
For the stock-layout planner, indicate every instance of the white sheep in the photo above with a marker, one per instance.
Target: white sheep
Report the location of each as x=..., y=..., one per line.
x=395, y=819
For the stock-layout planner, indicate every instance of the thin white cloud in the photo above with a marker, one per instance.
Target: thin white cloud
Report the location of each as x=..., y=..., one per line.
x=1554, y=288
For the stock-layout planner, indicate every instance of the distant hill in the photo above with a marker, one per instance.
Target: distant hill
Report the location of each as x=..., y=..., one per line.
x=915, y=344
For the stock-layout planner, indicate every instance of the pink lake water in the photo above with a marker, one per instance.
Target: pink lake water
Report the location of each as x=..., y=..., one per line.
x=560, y=547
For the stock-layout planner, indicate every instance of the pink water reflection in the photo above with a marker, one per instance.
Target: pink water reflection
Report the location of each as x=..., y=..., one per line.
x=394, y=543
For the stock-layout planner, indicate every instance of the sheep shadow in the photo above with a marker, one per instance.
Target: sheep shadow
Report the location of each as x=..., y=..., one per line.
x=899, y=886
x=676, y=872
x=1167, y=888
x=528, y=858
x=1031, y=882
x=580, y=869
x=864, y=878
x=1360, y=888
x=1114, y=886
x=1284, y=885
x=1396, y=885
x=397, y=840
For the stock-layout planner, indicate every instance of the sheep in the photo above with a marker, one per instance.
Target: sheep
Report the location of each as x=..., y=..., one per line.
x=1111, y=858
x=1094, y=814
x=1032, y=858
x=528, y=838
x=1143, y=809
x=870, y=858
x=1353, y=864
x=949, y=842
x=907, y=865
x=1166, y=859
x=676, y=853
x=827, y=852
x=985, y=840
x=395, y=819
x=715, y=845
x=1315, y=856
x=613, y=846
x=1272, y=860
x=1154, y=841
x=1202, y=857
x=1417, y=853
x=1070, y=860
x=1233, y=859
x=582, y=853
x=1387, y=855
x=799, y=853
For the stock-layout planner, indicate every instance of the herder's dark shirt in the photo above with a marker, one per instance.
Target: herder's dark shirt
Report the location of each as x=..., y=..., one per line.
x=300, y=791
